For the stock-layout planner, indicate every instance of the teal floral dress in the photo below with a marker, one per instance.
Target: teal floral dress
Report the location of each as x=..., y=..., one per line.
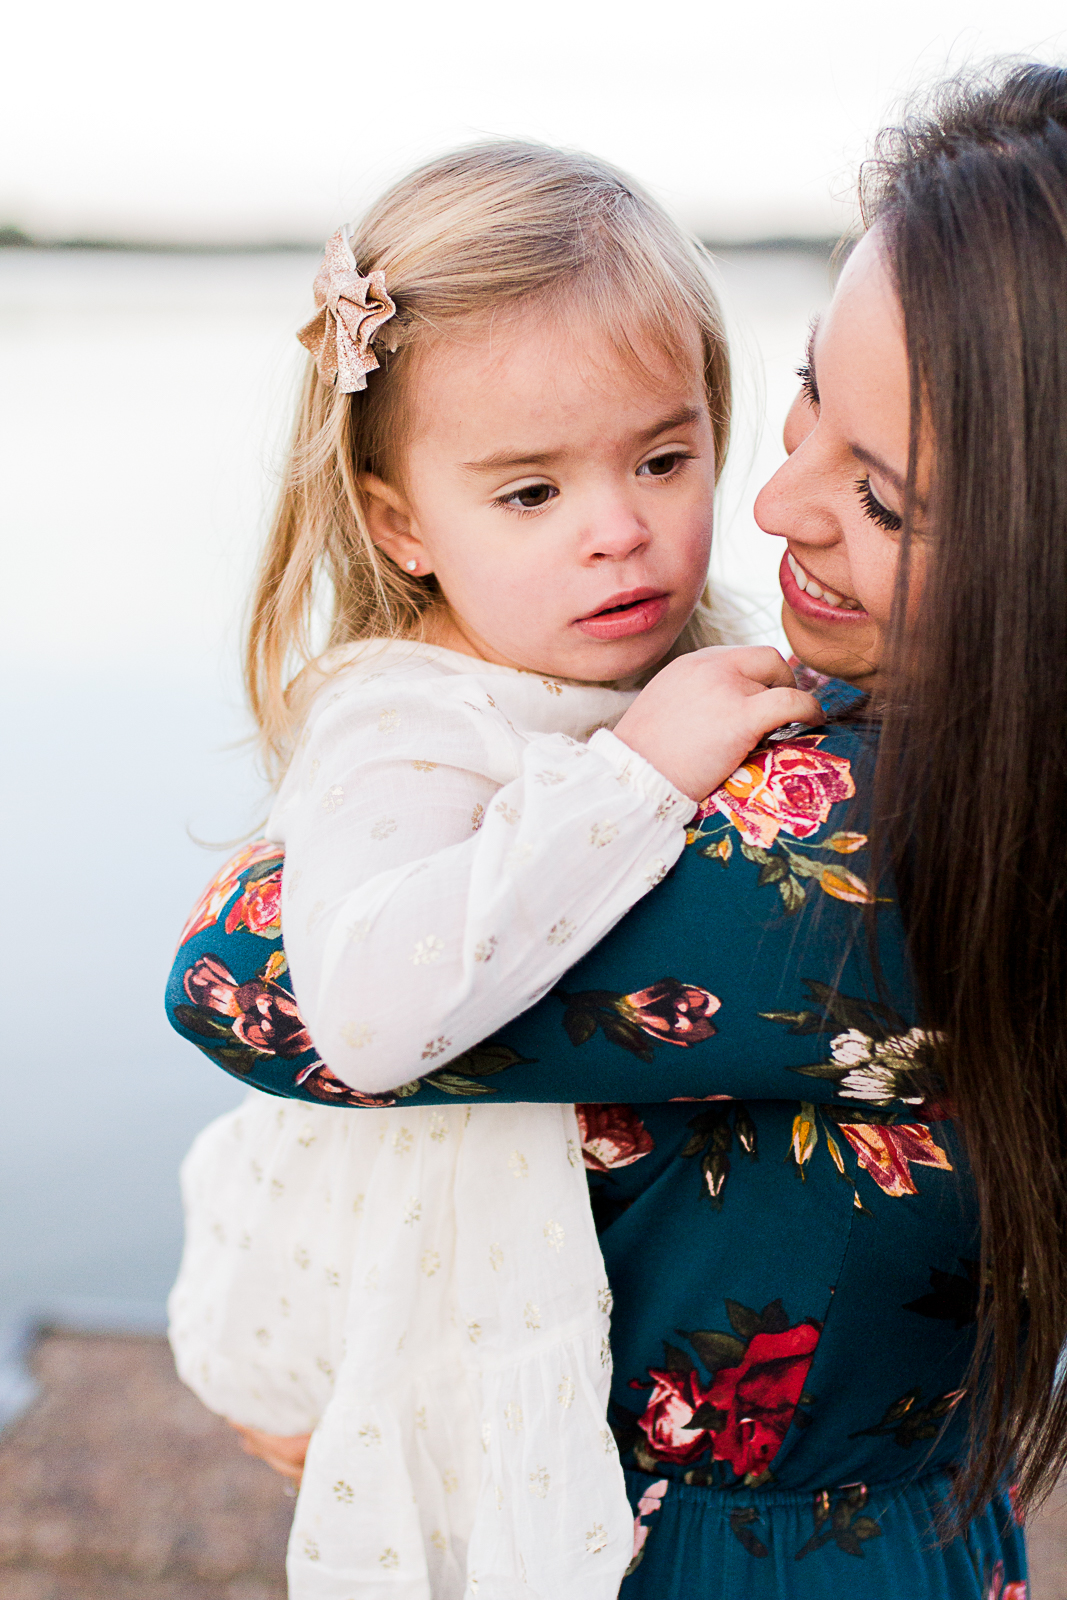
x=782, y=1199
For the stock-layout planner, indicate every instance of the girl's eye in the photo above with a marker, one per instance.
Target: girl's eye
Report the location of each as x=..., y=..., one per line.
x=873, y=508
x=531, y=497
x=807, y=383
x=662, y=466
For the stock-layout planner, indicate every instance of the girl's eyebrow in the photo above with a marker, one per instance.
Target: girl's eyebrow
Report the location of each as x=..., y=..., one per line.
x=684, y=417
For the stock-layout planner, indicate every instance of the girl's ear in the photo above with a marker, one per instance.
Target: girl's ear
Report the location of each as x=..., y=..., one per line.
x=389, y=524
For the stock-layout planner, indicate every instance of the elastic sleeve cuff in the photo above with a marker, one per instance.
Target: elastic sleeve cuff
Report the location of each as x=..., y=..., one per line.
x=634, y=772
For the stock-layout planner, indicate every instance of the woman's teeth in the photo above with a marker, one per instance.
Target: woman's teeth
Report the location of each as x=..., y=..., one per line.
x=819, y=591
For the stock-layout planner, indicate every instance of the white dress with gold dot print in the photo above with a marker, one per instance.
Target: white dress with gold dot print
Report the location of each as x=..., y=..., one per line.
x=422, y=1289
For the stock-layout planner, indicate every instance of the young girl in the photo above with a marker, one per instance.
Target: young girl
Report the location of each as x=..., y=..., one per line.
x=503, y=476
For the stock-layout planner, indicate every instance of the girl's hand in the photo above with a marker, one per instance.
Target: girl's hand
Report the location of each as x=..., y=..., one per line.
x=699, y=718
x=285, y=1455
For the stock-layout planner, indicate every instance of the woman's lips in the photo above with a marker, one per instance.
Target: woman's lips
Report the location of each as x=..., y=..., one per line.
x=806, y=605
x=625, y=615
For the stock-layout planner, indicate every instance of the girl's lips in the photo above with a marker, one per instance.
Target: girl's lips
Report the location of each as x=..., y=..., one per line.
x=806, y=605
x=640, y=616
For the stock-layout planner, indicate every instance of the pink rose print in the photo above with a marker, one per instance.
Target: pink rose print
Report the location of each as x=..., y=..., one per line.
x=667, y=1421
x=789, y=788
x=650, y=1501
x=999, y=1590
x=265, y=1016
x=209, y=907
x=673, y=1012
x=259, y=909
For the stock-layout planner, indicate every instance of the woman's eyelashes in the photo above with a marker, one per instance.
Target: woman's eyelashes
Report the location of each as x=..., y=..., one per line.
x=873, y=508
x=806, y=374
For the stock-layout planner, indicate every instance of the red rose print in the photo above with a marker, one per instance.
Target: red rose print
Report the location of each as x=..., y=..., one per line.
x=747, y=1410
x=672, y=1012
x=259, y=909
x=789, y=788
x=209, y=907
x=760, y=1397
x=612, y=1136
x=885, y=1152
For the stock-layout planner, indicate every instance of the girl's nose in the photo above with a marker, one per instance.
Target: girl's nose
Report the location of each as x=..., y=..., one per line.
x=614, y=533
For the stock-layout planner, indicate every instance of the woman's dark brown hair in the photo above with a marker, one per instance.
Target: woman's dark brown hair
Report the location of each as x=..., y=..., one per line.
x=971, y=201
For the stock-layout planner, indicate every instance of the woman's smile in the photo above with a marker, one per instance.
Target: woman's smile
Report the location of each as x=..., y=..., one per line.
x=809, y=597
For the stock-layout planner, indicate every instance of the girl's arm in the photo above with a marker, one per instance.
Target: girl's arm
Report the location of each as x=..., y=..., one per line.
x=424, y=902
x=746, y=973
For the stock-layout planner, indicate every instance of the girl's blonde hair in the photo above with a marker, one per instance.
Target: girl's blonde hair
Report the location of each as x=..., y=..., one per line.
x=472, y=233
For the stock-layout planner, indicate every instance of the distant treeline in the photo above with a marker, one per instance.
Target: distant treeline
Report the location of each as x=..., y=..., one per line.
x=15, y=238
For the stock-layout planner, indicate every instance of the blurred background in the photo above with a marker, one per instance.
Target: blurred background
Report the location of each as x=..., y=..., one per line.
x=168, y=176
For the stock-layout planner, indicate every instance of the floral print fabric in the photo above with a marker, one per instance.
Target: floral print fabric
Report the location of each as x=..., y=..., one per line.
x=782, y=1201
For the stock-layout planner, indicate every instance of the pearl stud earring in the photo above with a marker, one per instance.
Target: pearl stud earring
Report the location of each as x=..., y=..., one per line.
x=411, y=565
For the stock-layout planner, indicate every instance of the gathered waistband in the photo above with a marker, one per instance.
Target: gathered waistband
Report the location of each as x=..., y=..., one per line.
x=936, y=1482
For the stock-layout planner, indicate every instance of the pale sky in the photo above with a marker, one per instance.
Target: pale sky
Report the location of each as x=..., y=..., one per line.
x=233, y=121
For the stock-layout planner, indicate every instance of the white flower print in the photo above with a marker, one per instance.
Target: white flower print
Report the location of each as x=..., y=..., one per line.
x=356, y=1035
x=851, y=1047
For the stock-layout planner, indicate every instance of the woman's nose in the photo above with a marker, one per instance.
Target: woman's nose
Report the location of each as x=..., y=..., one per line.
x=793, y=503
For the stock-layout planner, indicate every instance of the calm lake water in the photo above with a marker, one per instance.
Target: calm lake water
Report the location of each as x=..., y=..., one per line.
x=142, y=402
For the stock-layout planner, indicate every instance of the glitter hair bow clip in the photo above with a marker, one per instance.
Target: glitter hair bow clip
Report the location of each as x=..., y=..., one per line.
x=351, y=311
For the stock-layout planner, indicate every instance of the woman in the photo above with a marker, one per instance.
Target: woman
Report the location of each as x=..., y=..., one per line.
x=819, y=1359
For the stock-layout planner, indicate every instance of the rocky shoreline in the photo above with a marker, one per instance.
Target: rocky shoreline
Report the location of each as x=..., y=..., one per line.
x=117, y=1484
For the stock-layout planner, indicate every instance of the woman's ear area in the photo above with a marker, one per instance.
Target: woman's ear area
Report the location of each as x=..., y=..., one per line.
x=389, y=523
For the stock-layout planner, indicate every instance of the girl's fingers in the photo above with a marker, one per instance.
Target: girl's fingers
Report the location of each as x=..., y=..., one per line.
x=775, y=707
x=768, y=666
x=285, y=1453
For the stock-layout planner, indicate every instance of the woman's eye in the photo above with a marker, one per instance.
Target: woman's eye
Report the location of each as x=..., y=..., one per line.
x=873, y=508
x=531, y=497
x=662, y=466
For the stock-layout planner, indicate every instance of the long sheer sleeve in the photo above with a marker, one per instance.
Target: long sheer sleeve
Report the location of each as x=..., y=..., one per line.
x=443, y=869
